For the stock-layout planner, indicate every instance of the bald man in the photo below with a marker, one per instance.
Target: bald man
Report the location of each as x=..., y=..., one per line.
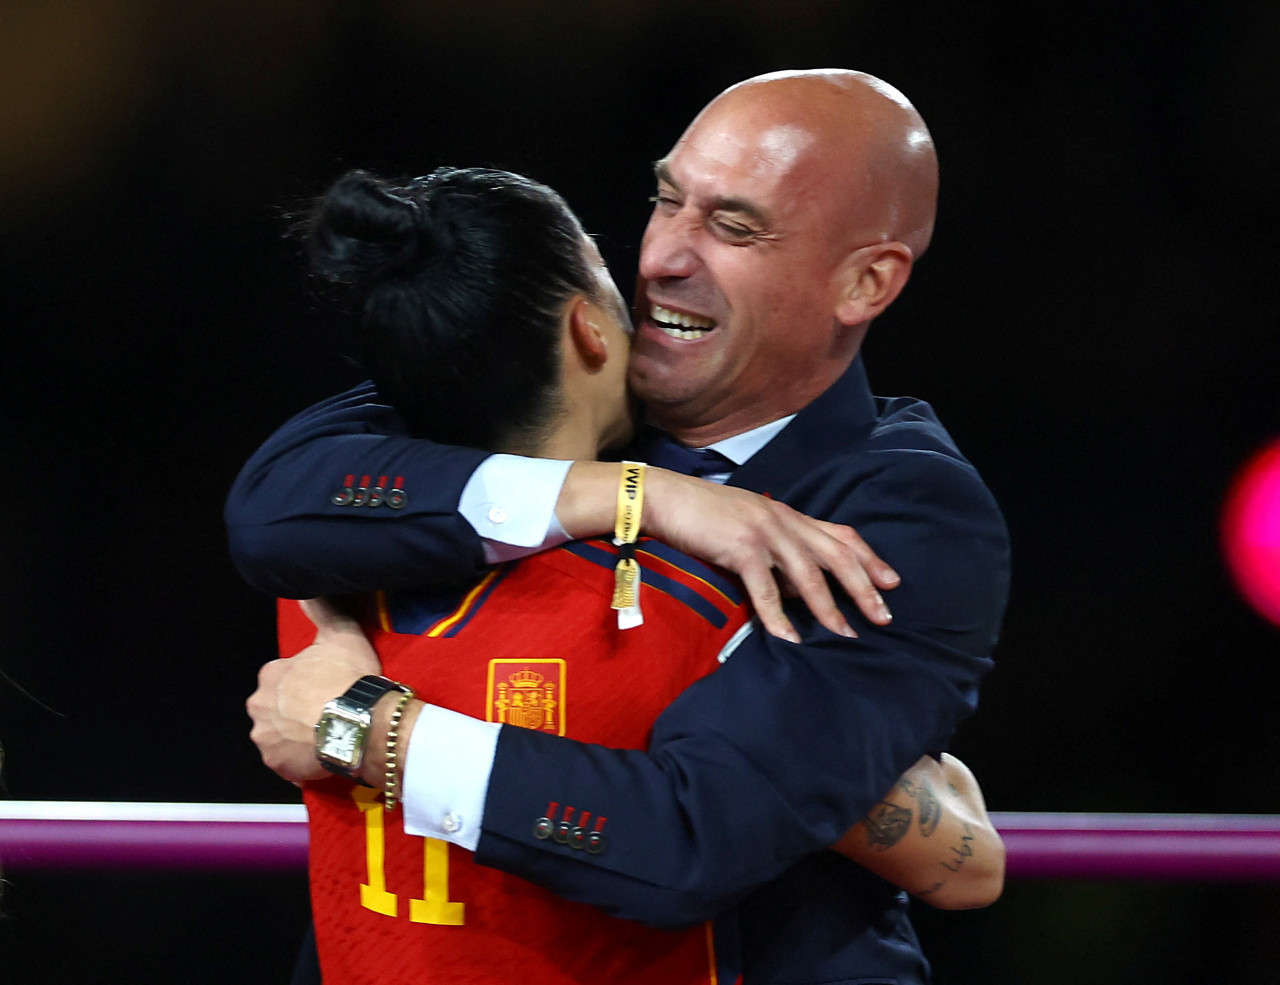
x=788, y=216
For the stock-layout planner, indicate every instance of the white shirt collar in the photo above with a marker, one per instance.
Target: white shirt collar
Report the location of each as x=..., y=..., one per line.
x=741, y=447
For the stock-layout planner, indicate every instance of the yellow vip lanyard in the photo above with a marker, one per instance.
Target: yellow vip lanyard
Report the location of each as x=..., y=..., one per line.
x=626, y=531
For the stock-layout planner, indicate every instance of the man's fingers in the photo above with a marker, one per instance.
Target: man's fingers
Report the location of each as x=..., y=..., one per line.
x=268, y=673
x=327, y=618
x=339, y=639
x=289, y=753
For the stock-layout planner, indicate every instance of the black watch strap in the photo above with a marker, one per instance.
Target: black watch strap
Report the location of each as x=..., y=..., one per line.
x=366, y=691
x=355, y=707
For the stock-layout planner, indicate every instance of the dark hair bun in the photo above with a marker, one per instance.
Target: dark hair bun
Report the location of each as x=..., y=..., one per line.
x=366, y=228
x=455, y=283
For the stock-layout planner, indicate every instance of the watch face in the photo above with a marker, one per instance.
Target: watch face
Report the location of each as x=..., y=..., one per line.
x=340, y=740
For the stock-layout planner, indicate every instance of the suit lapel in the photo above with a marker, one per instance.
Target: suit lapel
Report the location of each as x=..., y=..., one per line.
x=840, y=418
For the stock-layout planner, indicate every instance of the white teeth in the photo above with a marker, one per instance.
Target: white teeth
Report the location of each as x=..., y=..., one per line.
x=668, y=319
x=677, y=333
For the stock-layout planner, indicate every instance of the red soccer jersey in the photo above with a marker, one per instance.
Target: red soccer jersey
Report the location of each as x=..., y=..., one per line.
x=534, y=644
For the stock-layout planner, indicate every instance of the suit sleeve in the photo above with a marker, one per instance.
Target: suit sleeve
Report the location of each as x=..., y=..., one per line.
x=779, y=752
x=342, y=499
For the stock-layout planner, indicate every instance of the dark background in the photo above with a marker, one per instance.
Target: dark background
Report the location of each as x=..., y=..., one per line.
x=1096, y=322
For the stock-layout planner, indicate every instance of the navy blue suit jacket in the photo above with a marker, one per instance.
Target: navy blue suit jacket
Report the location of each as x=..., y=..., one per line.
x=753, y=770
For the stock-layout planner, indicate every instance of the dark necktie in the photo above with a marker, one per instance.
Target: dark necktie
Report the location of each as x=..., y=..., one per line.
x=665, y=452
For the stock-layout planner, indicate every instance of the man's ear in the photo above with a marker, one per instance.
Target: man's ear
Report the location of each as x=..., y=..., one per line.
x=870, y=279
x=585, y=334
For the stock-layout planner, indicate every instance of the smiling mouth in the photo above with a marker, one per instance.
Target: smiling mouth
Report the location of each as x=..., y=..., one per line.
x=678, y=325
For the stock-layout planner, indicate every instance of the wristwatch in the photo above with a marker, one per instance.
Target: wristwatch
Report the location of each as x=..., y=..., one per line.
x=344, y=725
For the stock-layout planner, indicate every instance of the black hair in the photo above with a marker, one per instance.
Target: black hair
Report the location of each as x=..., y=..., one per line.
x=456, y=281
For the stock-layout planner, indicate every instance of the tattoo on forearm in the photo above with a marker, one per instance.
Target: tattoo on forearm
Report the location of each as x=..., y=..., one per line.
x=886, y=825
x=962, y=851
x=930, y=806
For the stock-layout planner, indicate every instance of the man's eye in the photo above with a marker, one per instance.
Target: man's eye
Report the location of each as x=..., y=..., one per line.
x=666, y=201
x=733, y=230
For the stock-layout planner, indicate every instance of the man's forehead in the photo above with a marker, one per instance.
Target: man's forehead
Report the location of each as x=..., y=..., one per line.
x=735, y=150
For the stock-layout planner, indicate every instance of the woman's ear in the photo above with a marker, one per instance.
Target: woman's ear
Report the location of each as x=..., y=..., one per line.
x=870, y=279
x=585, y=333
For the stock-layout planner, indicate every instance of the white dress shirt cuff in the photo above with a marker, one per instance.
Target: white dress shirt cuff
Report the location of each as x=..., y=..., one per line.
x=511, y=503
x=446, y=776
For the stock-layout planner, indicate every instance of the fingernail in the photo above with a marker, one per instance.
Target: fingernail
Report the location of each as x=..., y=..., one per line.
x=885, y=614
x=847, y=630
x=891, y=575
x=792, y=636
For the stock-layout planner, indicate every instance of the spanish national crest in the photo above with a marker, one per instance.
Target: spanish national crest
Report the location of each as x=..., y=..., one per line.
x=527, y=693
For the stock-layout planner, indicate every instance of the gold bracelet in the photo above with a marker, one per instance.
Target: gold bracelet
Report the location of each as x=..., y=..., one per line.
x=626, y=531
x=393, y=740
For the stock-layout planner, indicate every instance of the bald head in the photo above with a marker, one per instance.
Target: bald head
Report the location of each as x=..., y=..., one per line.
x=857, y=140
x=787, y=218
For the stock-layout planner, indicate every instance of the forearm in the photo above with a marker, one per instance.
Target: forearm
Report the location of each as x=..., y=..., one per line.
x=773, y=757
x=588, y=501
x=374, y=769
x=294, y=529
x=309, y=556
x=748, y=773
x=931, y=836
x=341, y=500
x=762, y=541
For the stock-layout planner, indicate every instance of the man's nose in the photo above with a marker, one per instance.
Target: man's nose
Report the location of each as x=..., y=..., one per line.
x=667, y=250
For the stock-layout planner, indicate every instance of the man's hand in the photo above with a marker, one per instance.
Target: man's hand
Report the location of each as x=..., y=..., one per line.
x=292, y=693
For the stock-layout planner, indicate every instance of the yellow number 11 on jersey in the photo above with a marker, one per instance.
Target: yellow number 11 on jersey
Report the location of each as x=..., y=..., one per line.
x=434, y=906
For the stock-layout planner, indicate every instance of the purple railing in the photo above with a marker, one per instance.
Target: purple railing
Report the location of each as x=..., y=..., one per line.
x=1142, y=847
x=75, y=835
x=1121, y=847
